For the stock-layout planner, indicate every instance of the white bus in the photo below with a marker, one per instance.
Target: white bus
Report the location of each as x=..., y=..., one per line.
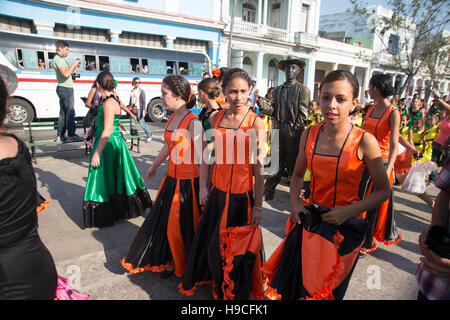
x=30, y=56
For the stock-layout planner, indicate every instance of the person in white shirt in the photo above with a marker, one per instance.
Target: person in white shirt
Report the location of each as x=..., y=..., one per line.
x=137, y=99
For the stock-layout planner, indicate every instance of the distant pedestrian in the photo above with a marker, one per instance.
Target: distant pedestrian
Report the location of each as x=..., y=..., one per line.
x=137, y=100
x=65, y=92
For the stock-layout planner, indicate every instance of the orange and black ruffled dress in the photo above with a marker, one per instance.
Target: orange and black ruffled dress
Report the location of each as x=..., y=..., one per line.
x=381, y=219
x=227, y=250
x=166, y=235
x=315, y=260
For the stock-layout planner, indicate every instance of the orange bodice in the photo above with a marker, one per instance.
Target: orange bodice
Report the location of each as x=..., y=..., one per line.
x=335, y=180
x=182, y=160
x=233, y=154
x=381, y=129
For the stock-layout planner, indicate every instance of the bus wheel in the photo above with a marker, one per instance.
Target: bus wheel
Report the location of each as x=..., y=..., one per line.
x=20, y=111
x=156, y=110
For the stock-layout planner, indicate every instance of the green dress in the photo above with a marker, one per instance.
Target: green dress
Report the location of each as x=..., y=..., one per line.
x=114, y=190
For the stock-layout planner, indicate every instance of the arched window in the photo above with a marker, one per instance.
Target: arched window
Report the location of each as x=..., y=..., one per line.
x=247, y=65
x=272, y=73
x=248, y=12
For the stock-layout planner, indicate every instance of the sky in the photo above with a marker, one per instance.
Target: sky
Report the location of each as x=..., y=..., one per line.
x=335, y=6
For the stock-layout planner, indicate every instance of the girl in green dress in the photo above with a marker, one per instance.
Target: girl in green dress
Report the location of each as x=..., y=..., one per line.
x=114, y=189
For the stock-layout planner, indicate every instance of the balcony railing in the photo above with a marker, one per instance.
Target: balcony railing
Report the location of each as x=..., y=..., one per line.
x=306, y=39
x=261, y=31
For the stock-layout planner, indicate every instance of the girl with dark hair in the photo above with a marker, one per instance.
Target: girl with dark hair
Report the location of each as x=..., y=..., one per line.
x=383, y=121
x=319, y=253
x=226, y=250
x=114, y=188
x=27, y=269
x=163, y=242
x=208, y=92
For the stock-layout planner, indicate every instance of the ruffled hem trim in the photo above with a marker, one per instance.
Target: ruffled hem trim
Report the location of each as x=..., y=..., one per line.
x=41, y=207
x=191, y=292
x=228, y=284
x=391, y=243
x=272, y=294
x=131, y=269
x=370, y=249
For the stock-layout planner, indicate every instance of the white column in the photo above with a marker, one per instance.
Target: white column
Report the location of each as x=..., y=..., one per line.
x=46, y=28
x=266, y=4
x=352, y=69
x=114, y=35
x=258, y=18
x=366, y=78
x=237, y=57
x=169, y=41
x=310, y=74
x=259, y=71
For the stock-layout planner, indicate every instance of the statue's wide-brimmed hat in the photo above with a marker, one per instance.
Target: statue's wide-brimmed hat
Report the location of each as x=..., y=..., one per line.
x=283, y=63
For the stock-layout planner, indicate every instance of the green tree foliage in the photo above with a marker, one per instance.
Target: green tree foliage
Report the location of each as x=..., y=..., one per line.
x=419, y=23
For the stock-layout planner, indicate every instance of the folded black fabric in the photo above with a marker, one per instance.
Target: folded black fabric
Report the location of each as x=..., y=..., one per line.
x=438, y=240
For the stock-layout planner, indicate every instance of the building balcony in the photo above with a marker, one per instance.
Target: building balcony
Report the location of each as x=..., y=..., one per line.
x=306, y=40
x=253, y=30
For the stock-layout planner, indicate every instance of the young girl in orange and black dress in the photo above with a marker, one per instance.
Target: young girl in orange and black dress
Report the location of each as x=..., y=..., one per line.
x=383, y=121
x=163, y=242
x=227, y=246
x=319, y=252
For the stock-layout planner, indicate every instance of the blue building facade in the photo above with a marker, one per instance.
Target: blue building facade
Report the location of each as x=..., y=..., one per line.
x=189, y=25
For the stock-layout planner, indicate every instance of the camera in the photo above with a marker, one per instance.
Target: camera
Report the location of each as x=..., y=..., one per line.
x=75, y=76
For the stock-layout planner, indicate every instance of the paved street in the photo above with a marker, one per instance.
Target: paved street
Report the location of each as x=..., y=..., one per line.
x=386, y=274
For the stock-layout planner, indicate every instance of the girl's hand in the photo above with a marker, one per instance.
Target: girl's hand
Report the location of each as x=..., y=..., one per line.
x=95, y=161
x=151, y=173
x=256, y=216
x=203, y=195
x=337, y=215
x=296, y=208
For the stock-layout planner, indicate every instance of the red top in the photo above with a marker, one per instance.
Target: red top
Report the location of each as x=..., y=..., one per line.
x=233, y=169
x=335, y=180
x=381, y=129
x=182, y=164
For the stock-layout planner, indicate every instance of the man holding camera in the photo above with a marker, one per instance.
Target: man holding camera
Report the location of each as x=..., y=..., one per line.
x=65, y=75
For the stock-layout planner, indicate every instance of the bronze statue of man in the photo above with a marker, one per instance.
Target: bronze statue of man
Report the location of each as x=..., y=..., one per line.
x=289, y=112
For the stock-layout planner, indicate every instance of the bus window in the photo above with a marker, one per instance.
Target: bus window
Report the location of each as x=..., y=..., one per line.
x=51, y=55
x=41, y=60
x=134, y=65
x=20, y=59
x=104, y=63
x=90, y=63
x=184, y=68
x=8, y=53
x=170, y=67
x=196, y=69
x=119, y=64
x=74, y=56
x=28, y=58
x=156, y=66
x=144, y=65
